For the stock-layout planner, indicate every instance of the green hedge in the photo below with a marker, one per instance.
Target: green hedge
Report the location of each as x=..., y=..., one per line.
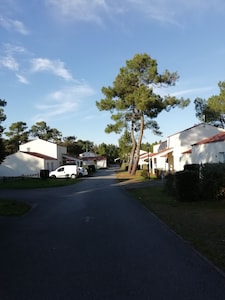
x=212, y=181
x=196, y=183
x=187, y=186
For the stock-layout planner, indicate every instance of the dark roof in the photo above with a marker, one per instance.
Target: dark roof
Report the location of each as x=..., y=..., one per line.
x=39, y=155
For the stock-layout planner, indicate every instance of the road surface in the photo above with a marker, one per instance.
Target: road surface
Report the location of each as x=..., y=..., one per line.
x=93, y=241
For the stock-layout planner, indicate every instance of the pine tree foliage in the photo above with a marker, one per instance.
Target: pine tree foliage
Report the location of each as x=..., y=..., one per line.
x=133, y=102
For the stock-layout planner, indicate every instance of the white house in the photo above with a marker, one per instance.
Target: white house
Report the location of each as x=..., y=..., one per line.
x=32, y=157
x=175, y=152
x=209, y=150
x=26, y=164
x=92, y=159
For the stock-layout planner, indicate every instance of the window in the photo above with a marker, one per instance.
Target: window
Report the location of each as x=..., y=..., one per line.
x=60, y=169
x=222, y=157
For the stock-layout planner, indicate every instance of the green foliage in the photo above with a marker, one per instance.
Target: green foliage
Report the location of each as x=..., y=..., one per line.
x=170, y=185
x=125, y=145
x=187, y=186
x=145, y=173
x=133, y=102
x=2, y=151
x=212, y=110
x=2, y=118
x=110, y=151
x=2, y=115
x=17, y=135
x=32, y=183
x=212, y=181
x=198, y=183
x=44, y=132
x=13, y=208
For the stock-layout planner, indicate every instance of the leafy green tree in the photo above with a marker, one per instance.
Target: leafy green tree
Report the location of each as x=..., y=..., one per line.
x=212, y=110
x=110, y=151
x=3, y=103
x=102, y=149
x=134, y=103
x=76, y=147
x=44, y=132
x=73, y=148
x=125, y=146
x=17, y=135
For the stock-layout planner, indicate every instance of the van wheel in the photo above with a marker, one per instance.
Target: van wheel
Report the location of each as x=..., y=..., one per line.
x=73, y=176
x=53, y=177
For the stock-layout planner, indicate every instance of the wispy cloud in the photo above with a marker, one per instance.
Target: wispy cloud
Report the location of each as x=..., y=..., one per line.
x=83, y=10
x=9, y=58
x=63, y=102
x=55, y=67
x=9, y=62
x=13, y=25
x=22, y=79
x=194, y=91
x=185, y=92
x=164, y=11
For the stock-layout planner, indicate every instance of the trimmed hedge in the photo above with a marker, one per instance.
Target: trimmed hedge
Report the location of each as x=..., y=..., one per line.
x=196, y=183
x=187, y=186
x=212, y=181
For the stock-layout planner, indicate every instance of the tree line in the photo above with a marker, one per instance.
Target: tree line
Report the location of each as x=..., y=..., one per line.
x=19, y=133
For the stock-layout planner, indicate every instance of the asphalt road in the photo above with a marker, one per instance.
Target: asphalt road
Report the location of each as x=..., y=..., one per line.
x=93, y=241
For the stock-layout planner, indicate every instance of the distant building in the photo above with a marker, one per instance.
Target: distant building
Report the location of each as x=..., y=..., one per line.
x=34, y=156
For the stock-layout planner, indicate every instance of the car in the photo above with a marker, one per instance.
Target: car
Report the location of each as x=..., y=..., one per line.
x=82, y=171
x=66, y=171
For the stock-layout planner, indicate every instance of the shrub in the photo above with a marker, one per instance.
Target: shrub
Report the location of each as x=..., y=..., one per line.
x=192, y=167
x=170, y=186
x=212, y=181
x=145, y=173
x=187, y=186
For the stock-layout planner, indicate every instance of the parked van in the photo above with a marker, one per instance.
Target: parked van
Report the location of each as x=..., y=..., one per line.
x=66, y=171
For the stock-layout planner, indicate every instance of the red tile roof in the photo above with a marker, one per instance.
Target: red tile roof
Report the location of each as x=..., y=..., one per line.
x=187, y=151
x=39, y=155
x=220, y=137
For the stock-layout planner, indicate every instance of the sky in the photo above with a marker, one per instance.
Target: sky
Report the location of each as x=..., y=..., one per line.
x=56, y=55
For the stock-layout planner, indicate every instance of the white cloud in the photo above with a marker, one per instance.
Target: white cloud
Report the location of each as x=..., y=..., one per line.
x=13, y=25
x=22, y=79
x=55, y=67
x=61, y=103
x=81, y=10
x=9, y=62
x=164, y=11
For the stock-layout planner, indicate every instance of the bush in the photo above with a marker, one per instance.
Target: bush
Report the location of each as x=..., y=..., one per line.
x=170, y=186
x=187, y=186
x=145, y=173
x=212, y=181
x=159, y=173
x=192, y=167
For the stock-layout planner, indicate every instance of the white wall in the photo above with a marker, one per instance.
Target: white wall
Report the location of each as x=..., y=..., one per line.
x=44, y=147
x=101, y=164
x=207, y=153
x=21, y=164
x=183, y=140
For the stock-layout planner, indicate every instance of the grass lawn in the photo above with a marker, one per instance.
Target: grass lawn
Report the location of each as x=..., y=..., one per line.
x=10, y=207
x=201, y=223
x=31, y=183
x=13, y=208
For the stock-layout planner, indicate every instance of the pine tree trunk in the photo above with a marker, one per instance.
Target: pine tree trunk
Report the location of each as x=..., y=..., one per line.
x=138, y=147
x=134, y=146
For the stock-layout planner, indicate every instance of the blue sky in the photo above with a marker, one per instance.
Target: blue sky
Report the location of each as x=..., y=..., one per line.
x=55, y=56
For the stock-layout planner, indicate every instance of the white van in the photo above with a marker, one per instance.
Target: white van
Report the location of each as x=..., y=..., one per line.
x=66, y=171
